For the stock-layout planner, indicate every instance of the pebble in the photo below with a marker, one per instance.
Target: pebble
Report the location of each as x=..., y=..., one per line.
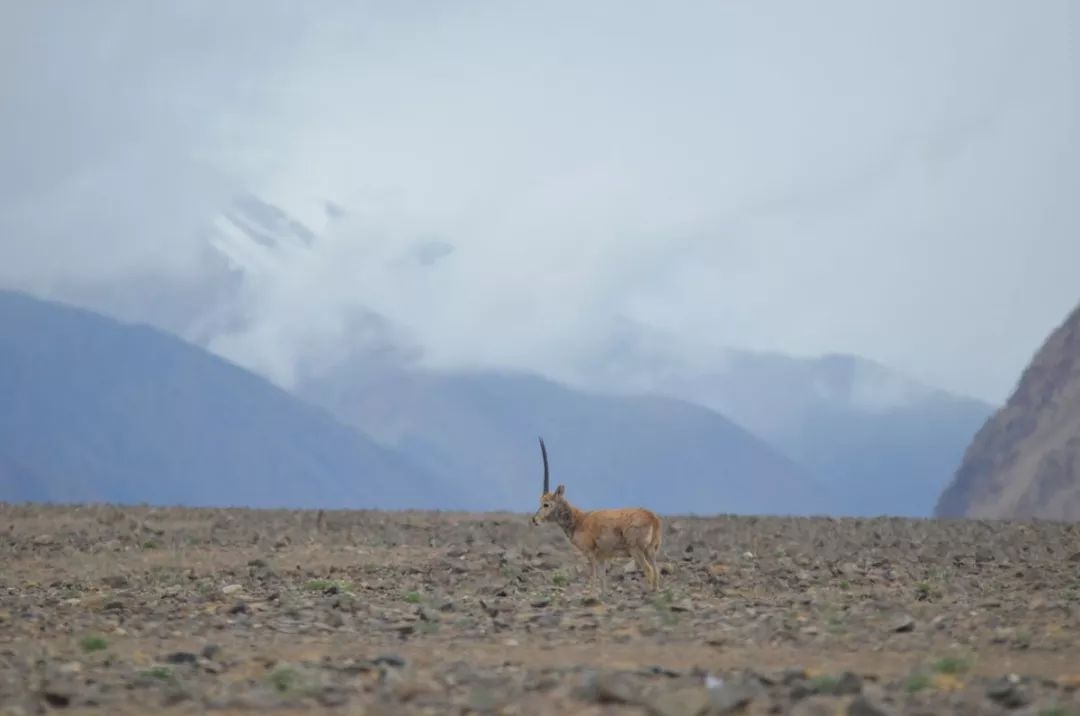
x=904, y=624
x=1008, y=692
x=231, y=589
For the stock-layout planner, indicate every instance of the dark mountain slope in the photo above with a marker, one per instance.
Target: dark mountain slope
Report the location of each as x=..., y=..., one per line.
x=92, y=409
x=1025, y=461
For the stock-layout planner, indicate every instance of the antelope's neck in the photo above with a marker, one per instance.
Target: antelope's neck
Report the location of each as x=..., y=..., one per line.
x=570, y=520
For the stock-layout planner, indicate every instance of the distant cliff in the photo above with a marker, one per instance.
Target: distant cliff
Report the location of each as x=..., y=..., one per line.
x=1025, y=461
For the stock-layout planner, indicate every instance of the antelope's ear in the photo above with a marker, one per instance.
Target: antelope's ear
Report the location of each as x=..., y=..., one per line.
x=560, y=490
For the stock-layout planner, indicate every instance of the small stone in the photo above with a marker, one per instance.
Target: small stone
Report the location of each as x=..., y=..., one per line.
x=818, y=706
x=540, y=603
x=231, y=589
x=56, y=697
x=181, y=657
x=848, y=684
x=210, y=667
x=1008, y=692
x=732, y=698
x=72, y=667
x=864, y=706
x=683, y=605
x=115, y=581
x=1002, y=635
x=904, y=624
x=391, y=660
x=683, y=702
x=790, y=676
x=983, y=555
x=610, y=689
x=171, y=591
x=332, y=696
x=210, y=651
x=43, y=540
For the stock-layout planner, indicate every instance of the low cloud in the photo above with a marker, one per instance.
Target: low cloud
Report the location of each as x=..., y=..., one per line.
x=500, y=184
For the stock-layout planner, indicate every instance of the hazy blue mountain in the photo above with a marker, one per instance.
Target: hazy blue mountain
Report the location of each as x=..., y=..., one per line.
x=881, y=442
x=93, y=409
x=480, y=429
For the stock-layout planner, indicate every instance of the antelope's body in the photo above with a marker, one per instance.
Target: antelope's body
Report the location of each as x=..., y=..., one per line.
x=603, y=535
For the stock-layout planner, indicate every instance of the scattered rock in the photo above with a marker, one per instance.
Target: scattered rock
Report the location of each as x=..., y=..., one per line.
x=1009, y=692
x=848, y=684
x=392, y=660
x=904, y=624
x=610, y=688
x=230, y=589
x=818, y=706
x=683, y=605
x=864, y=706
x=181, y=657
x=691, y=701
x=115, y=581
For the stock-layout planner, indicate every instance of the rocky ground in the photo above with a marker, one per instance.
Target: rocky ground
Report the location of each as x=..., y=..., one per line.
x=140, y=610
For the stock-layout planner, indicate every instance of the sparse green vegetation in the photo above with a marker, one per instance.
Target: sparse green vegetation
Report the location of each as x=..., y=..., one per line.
x=412, y=597
x=1053, y=711
x=916, y=683
x=326, y=585
x=823, y=683
x=284, y=679
x=662, y=603
x=923, y=591
x=161, y=673
x=93, y=643
x=951, y=665
x=560, y=580
x=291, y=682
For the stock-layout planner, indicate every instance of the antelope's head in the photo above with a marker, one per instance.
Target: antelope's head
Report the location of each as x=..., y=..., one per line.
x=552, y=504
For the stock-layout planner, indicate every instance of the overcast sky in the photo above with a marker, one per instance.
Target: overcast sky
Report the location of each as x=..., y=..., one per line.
x=893, y=179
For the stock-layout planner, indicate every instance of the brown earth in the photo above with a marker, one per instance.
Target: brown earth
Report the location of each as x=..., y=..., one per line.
x=138, y=610
x=1025, y=461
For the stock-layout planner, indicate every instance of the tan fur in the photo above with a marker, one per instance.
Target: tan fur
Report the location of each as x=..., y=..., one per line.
x=602, y=535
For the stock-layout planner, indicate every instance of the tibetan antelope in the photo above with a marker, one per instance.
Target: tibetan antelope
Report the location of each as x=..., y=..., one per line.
x=601, y=535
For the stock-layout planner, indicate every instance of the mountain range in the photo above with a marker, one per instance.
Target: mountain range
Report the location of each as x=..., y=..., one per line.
x=720, y=429
x=878, y=441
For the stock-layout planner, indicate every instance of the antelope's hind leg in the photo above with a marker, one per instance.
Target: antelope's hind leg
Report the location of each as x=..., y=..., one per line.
x=647, y=569
x=654, y=579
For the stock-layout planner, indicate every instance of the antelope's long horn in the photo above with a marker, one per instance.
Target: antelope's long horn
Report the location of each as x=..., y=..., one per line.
x=543, y=452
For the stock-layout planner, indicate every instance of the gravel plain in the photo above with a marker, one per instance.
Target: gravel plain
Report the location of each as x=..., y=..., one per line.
x=139, y=610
